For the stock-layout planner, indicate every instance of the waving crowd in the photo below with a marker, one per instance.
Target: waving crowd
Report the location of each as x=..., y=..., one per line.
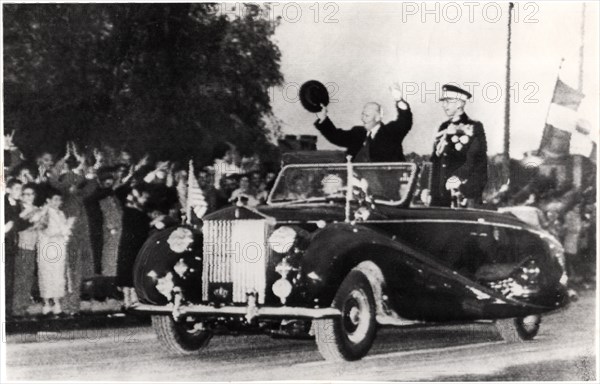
x=85, y=215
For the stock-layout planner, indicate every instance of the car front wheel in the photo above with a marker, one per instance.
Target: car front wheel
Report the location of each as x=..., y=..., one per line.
x=181, y=337
x=519, y=329
x=350, y=336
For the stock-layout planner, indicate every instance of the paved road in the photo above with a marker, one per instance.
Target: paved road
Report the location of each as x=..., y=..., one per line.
x=564, y=350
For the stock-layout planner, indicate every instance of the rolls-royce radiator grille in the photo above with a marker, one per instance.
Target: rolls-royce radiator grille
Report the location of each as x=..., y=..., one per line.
x=234, y=254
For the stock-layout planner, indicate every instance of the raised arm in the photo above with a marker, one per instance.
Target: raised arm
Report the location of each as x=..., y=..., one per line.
x=337, y=136
x=404, y=118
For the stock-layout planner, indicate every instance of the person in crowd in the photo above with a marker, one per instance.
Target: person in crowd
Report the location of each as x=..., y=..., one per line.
x=374, y=141
x=12, y=225
x=75, y=189
x=121, y=172
x=158, y=212
x=250, y=164
x=244, y=195
x=573, y=229
x=125, y=157
x=227, y=162
x=211, y=195
x=180, y=181
x=166, y=194
x=93, y=210
x=555, y=224
x=112, y=217
x=13, y=157
x=45, y=163
x=588, y=246
x=24, y=174
x=25, y=266
x=54, y=230
x=299, y=188
x=110, y=155
x=459, y=155
x=259, y=186
x=229, y=184
x=100, y=158
x=135, y=228
x=162, y=174
x=270, y=178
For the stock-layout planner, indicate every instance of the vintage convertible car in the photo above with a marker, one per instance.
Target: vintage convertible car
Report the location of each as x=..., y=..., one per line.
x=339, y=250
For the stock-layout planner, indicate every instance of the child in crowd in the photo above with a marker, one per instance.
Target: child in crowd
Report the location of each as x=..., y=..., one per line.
x=54, y=230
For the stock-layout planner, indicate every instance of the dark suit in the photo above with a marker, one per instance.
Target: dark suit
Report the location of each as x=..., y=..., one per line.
x=469, y=163
x=385, y=147
x=136, y=227
x=11, y=250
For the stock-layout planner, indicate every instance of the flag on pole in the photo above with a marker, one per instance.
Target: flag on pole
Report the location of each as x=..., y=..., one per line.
x=561, y=122
x=196, y=201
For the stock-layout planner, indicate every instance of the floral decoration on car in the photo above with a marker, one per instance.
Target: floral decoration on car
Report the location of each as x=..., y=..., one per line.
x=180, y=240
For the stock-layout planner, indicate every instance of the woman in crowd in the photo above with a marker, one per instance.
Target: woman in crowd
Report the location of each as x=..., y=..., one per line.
x=26, y=261
x=75, y=188
x=135, y=228
x=245, y=194
x=54, y=230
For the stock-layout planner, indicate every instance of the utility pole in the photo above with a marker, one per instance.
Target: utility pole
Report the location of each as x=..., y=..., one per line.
x=582, y=35
x=506, y=157
x=577, y=161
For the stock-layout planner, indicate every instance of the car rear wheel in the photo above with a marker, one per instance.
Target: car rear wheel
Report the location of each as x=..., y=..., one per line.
x=181, y=337
x=519, y=329
x=350, y=336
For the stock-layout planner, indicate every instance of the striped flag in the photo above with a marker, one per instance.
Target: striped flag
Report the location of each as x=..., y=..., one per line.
x=561, y=123
x=196, y=202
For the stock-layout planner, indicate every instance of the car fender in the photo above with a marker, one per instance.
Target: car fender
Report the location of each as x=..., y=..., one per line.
x=339, y=248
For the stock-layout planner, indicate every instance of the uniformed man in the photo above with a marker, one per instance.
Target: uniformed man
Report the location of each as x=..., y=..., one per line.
x=375, y=141
x=459, y=154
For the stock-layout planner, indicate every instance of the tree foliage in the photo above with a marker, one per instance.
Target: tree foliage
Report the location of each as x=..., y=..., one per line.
x=174, y=79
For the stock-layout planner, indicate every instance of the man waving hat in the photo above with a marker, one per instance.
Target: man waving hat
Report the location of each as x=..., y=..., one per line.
x=374, y=141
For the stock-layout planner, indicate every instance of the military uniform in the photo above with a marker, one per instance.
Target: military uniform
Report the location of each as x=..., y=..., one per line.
x=460, y=150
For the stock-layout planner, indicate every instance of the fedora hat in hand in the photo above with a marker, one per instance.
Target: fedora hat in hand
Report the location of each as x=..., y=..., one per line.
x=312, y=94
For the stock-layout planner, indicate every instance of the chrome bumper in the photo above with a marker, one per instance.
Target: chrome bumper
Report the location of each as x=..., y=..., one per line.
x=249, y=312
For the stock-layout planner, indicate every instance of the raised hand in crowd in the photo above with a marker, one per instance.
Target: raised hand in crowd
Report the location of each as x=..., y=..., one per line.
x=8, y=226
x=99, y=159
x=14, y=157
x=142, y=163
x=8, y=144
x=42, y=174
x=171, y=175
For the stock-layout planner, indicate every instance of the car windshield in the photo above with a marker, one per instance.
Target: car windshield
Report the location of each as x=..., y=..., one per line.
x=385, y=183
